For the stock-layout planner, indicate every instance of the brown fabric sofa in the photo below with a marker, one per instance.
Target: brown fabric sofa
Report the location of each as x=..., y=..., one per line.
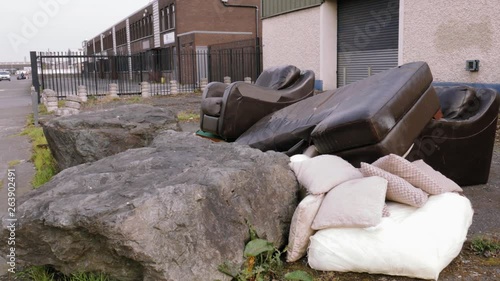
x=360, y=122
x=460, y=144
x=229, y=110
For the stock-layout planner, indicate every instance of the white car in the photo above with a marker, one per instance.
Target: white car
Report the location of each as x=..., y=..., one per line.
x=4, y=75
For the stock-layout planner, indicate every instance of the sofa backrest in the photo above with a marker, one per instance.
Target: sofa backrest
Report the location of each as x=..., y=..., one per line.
x=278, y=77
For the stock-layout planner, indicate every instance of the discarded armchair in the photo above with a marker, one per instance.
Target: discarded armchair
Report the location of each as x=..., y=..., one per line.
x=460, y=144
x=229, y=110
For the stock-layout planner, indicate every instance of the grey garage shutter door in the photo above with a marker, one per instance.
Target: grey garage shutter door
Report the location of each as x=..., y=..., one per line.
x=367, y=38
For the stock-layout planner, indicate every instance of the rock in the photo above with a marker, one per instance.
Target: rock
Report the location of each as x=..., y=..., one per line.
x=172, y=211
x=91, y=136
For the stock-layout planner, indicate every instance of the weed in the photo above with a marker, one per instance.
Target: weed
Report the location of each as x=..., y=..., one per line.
x=485, y=246
x=14, y=163
x=35, y=273
x=188, y=116
x=45, y=164
x=61, y=103
x=1, y=183
x=262, y=262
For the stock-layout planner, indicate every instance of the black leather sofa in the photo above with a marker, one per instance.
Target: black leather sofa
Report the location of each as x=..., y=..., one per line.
x=360, y=122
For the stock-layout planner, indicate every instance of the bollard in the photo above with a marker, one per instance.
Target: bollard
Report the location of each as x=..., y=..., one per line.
x=82, y=93
x=145, y=90
x=203, y=84
x=248, y=80
x=173, y=87
x=73, y=102
x=51, y=100
x=113, y=90
x=227, y=80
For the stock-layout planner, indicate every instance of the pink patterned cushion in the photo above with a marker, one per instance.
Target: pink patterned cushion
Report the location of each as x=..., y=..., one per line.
x=447, y=184
x=403, y=168
x=398, y=189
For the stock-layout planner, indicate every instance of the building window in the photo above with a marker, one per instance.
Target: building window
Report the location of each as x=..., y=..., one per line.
x=166, y=59
x=172, y=18
x=167, y=23
x=162, y=20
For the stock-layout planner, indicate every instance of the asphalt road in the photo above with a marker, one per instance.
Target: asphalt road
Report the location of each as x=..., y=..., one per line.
x=15, y=105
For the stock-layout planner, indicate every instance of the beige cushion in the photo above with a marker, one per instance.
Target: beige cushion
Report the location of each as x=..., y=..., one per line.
x=322, y=173
x=413, y=174
x=300, y=229
x=398, y=189
x=446, y=183
x=354, y=203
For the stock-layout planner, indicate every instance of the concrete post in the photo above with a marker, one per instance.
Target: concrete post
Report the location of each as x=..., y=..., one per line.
x=248, y=80
x=145, y=90
x=203, y=84
x=227, y=80
x=113, y=90
x=72, y=106
x=51, y=98
x=173, y=87
x=82, y=93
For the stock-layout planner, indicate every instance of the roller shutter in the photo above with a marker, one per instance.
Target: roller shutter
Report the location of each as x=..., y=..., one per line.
x=367, y=38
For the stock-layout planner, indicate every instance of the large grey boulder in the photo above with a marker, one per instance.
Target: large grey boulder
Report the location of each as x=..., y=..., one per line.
x=91, y=136
x=172, y=211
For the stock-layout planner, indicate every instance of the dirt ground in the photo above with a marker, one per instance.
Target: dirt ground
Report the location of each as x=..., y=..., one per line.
x=485, y=200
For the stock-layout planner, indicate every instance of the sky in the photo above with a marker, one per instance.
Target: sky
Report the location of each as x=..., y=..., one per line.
x=56, y=25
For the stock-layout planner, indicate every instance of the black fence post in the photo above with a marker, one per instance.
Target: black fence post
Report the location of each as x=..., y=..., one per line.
x=34, y=74
x=257, y=57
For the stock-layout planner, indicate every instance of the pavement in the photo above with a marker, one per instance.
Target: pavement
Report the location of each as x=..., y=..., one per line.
x=15, y=150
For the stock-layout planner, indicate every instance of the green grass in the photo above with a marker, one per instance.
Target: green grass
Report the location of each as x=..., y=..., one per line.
x=485, y=246
x=188, y=116
x=42, y=273
x=45, y=164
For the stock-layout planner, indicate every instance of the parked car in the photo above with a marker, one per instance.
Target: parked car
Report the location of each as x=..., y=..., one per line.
x=21, y=76
x=4, y=75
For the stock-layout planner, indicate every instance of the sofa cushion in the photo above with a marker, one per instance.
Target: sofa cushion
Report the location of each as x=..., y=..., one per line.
x=278, y=77
x=458, y=103
x=300, y=228
x=419, y=176
x=445, y=183
x=398, y=190
x=322, y=173
x=354, y=203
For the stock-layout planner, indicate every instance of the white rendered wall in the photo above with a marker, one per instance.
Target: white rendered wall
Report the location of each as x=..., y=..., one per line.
x=293, y=38
x=328, y=45
x=446, y=33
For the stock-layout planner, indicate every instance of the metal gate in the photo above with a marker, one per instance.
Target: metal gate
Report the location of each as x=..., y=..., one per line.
x=368, y=33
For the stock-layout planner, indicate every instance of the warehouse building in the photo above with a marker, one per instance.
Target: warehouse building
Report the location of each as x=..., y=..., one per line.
x=181, y=39
x=347, y=40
